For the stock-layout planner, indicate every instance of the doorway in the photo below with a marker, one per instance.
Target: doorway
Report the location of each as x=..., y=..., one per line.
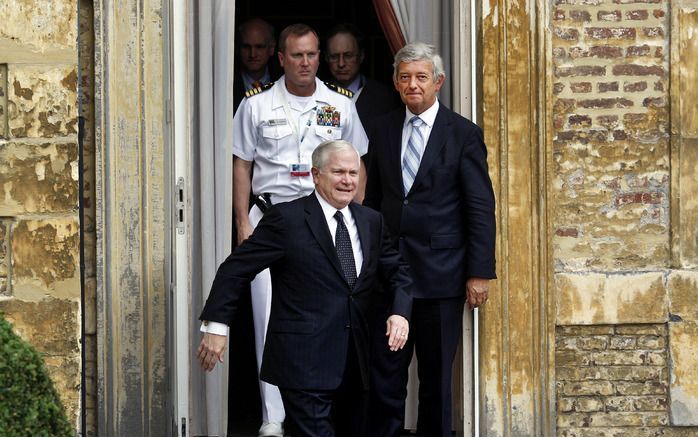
x=237, y=409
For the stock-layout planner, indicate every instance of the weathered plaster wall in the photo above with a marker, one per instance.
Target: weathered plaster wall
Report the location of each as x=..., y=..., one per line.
x=131, y=225
x=39, y=225
x=623, y=162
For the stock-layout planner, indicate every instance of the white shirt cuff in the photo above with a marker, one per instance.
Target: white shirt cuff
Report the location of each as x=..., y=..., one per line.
x=214, y=328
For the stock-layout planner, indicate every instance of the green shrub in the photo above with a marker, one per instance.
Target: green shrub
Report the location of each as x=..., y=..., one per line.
x=29, y=404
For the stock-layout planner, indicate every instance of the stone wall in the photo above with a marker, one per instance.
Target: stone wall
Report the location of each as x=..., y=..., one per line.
x=612, y=376
x=623, y=323
x=39, y=223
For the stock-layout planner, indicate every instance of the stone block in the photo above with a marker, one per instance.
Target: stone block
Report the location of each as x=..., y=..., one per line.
x=683, y=294
x=612, y=432
x=585, y=388
x=34, y=30
x=646, y=329
x=38, y=178
x=589, y=404
x=52, y=326
x=614, y=418
x=46, y=257
x=683, y=343
x=585, y=299
x=574, y=419
x=584, y=330
x=640, y=388
x=680, y=432
x=651, y=403
x=619, y=403
x=619, y=358
x=4, y=233
x=572, y=358
x=42, y=101
x=566, y=405
x=623, y=342
x=3, y=100
x=652, y=342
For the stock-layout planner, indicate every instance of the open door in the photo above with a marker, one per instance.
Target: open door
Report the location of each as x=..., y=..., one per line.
x=201, y=114
x=202, y=50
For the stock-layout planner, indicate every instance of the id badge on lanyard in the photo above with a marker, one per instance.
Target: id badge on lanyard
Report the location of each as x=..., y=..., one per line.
x=297, y=169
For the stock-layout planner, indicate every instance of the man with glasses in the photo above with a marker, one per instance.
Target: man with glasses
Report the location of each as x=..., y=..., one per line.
x=344, y=55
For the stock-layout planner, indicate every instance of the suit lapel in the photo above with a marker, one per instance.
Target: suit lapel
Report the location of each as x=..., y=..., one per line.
x=395, y=145
x=436, y=142
x=364, y=236
x=318, y=227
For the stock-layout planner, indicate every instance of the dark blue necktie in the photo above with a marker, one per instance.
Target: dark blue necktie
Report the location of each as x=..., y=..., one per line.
x=342, y=243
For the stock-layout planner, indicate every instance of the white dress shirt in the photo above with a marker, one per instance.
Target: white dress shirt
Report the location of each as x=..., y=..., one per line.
x=350, y=223
x=428, y=117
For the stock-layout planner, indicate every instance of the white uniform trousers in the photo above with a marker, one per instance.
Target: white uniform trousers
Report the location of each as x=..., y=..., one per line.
x=272, y=406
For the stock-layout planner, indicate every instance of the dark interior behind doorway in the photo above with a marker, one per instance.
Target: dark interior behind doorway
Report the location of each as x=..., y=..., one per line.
x=244, y=414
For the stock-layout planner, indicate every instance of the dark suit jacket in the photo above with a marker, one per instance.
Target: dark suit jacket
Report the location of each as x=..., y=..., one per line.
x=313, y=310
x=445, y=226
x=375, y=100
x=239, y=84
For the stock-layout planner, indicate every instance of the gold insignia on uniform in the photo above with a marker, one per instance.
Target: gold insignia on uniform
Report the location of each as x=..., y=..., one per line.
x=253, y=91
x=339, y=89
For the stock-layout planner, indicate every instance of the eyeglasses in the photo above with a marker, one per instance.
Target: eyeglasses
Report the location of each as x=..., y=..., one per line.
x=348, y=57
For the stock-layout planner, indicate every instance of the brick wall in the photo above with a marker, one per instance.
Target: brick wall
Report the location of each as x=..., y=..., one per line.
x=620, y=367
x=612, y=376
x=611, y=134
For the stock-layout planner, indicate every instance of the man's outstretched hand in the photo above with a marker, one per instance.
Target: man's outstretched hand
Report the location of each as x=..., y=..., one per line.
x=211, y=351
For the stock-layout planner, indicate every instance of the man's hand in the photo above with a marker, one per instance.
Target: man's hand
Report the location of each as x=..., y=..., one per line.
x=242, y=186
x=477, y=290
x=211, y=350
x=244, y=231
x=398, y=328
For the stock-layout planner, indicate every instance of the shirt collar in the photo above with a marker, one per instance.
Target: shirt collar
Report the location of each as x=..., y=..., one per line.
x=320, y=95
x=248, y=80
x=329, y=211
x=428, y=116
x=356, y=84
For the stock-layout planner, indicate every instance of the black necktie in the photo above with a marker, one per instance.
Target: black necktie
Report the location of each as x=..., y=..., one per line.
x=342, y=243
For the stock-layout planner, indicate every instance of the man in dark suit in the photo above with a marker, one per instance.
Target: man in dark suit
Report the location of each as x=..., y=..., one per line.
x=326, y=255
x=428, y=176
x=256, y=64
x=344, y=53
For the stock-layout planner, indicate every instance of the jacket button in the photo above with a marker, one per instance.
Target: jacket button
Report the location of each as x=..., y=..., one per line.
x=347, y=326
x=405, y=202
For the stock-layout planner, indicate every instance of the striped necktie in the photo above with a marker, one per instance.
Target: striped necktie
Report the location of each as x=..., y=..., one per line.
x=413, y=154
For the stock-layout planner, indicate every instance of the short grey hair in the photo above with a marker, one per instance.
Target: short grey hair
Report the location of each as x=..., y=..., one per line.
x=326, y=148
x=419, y=51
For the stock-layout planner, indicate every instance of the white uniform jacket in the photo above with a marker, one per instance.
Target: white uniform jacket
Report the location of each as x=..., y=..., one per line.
x=272, y=130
